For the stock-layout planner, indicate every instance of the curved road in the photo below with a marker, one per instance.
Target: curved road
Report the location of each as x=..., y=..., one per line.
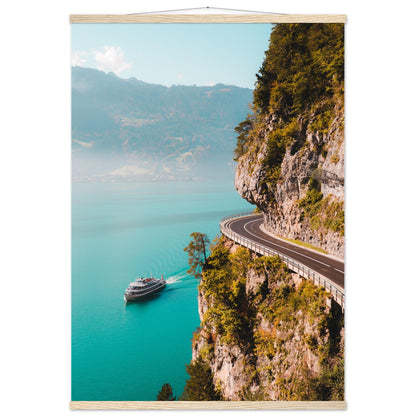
x=249, y=227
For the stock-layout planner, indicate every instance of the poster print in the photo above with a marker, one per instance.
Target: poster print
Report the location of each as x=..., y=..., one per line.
x=208, y=212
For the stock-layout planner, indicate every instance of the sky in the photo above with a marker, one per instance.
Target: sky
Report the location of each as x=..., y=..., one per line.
x=171, y=54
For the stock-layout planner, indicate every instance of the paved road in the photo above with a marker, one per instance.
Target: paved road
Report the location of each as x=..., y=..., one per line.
x=249, y=227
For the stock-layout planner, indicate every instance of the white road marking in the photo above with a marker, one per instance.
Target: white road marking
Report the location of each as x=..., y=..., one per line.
x=277, y=245
x=339, y=270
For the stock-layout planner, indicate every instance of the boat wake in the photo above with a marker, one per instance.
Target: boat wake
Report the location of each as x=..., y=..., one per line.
x=177, y=277
x=180, y=281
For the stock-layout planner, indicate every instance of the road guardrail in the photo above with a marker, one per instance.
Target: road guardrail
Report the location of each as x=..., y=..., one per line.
x=318, y=279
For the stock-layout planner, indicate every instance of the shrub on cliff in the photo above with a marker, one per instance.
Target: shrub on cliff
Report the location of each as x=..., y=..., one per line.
x=199, y=386
x=322, y=212
x=223, y=283
x=329, y=385
x=166, y=393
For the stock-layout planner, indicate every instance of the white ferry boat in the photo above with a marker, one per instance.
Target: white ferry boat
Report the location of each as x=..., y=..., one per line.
x=142, y=287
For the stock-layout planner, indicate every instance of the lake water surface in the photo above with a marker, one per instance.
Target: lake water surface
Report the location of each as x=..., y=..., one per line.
x=119, y=231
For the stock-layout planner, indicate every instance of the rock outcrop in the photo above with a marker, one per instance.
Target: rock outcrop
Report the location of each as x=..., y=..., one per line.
x=311, y=155
x=290, y=150
x=295, y=336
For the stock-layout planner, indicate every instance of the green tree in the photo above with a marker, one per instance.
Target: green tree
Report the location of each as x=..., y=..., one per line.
x=243, y=130
x=166, y=393
x=200, y=384
x=304, y=63
x=197, y=251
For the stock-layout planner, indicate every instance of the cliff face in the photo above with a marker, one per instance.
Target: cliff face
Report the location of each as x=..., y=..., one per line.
x=266, y=333
x=311, y=155
x=290, y=150
x=292, y=341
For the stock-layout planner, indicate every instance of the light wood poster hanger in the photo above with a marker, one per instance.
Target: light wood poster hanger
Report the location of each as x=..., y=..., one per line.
x=205, y=15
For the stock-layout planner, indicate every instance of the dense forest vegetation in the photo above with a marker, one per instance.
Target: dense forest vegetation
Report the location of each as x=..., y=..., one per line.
x=302, y=77
x=304, y=63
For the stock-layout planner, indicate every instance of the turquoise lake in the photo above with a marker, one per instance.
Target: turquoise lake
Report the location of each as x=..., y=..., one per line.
x=120, y=231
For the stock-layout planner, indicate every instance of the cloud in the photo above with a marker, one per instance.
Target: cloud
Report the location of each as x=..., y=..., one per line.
x=111, y=59
x=78, y=58
x=83, y=144
x=129, y=170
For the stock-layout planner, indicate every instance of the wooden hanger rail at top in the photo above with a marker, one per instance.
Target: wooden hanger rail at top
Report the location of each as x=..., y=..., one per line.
x=207, y=15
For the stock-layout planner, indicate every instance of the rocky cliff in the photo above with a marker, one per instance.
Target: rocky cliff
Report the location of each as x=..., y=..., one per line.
x=311, y=155
x=266, y=333
x=290, y=151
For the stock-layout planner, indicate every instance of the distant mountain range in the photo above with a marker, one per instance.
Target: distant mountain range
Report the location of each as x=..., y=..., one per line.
x=128, y=130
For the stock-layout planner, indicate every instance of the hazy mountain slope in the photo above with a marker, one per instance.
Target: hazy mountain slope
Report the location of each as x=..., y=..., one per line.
x=156, y=131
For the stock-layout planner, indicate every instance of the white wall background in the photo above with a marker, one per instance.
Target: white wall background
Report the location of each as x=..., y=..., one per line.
x=35, y=208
